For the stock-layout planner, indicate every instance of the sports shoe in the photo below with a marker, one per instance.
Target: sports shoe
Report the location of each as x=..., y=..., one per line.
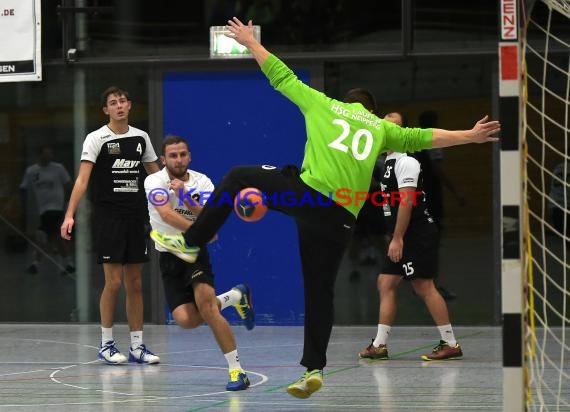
x=110, y=354
x=142, y=355
x=309, y=383
x=244, y=307
x=176, y=245
x=373, y=352
x=238, y=380
x=443, y=351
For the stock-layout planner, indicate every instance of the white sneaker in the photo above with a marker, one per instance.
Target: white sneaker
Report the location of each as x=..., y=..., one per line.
x=110, y=354
x=142, y=355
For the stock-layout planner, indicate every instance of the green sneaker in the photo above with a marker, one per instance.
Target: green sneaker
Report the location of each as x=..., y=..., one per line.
x=176, y=245
x=309, y=383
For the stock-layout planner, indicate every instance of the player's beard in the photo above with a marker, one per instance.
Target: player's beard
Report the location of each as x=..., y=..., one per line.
x=178, y=172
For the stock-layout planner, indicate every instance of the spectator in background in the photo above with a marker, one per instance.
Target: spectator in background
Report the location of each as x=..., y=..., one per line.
x=49, y=184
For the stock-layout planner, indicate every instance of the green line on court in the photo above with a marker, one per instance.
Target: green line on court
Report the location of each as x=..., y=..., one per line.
x=340, y=370
x=332, y=372
x=399, y=355
x=201, y=408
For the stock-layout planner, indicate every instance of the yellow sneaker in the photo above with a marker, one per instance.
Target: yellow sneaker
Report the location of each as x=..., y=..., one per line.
x=309, y=383
x=176, y=245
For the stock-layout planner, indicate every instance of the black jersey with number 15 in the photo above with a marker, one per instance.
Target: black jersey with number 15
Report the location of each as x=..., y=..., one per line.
x=400, y=171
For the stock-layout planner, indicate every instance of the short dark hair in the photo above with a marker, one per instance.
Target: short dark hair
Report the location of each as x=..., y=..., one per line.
x=173, y=139
x=113, y=90
x=361, y=96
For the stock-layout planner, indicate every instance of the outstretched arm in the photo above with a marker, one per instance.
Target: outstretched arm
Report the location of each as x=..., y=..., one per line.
x=244, y=35
x=482, y=132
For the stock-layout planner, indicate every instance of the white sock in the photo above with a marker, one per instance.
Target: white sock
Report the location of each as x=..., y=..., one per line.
x=230, y=298
x=381, y=335
x=136, y=338
x=233, y=360
x=106, y=335
x=447, y=335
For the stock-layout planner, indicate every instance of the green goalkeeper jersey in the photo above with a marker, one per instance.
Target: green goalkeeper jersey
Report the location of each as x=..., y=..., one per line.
x=343, y=139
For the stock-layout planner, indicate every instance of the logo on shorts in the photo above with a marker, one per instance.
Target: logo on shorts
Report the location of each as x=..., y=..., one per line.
x=113, y=148
x=196, y=274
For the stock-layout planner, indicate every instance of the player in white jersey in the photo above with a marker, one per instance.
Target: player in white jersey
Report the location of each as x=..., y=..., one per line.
x=175, y=198
x=48, y=182
x=412, y=255
x=116, y=157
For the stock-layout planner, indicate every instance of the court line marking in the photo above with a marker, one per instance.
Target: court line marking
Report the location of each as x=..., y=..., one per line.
x=148, y=398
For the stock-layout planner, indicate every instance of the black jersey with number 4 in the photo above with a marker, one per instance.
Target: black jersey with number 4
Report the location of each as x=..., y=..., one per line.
x=400, y=171
x=118, y=172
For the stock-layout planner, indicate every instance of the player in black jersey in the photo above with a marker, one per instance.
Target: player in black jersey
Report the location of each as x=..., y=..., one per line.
x=412, y=254
x=115, y=157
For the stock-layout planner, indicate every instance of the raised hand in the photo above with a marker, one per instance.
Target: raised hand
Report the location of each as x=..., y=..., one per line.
x=484, y=130
x=241, y=33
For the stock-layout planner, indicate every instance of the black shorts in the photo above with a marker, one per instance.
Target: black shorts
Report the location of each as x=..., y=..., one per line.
x=178, y=277
x=121, y=239
x=50, y=221
x=419, y=260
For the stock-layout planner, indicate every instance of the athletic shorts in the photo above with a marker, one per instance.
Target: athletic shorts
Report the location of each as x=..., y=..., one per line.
x=50, y=221
x=121, y=239
x=419, y=260
x=178, y=277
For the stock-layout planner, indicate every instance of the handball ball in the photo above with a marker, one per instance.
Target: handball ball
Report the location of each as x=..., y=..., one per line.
x=249, y=204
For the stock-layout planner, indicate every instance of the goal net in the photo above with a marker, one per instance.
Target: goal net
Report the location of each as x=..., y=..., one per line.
x=546, y=181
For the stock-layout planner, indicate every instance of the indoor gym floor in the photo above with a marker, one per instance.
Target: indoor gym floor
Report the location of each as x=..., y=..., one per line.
x=54, y=367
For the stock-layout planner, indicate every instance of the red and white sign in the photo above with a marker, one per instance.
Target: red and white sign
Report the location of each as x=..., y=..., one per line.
x=509, y=69
x=509, y=28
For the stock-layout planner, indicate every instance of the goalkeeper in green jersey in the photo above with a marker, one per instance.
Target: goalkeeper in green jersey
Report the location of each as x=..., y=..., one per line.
x=344, y=138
